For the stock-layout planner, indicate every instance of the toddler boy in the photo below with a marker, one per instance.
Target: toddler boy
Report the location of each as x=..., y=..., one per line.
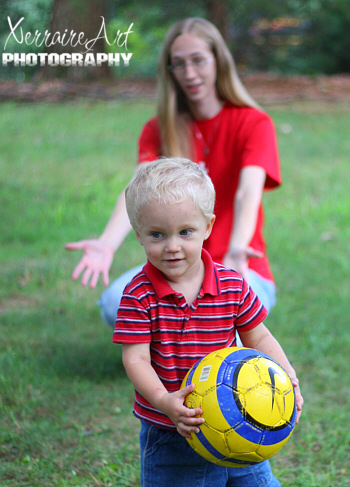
x=179, y=308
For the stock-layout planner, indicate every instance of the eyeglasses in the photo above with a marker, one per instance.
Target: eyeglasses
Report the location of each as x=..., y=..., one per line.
x=198, y=63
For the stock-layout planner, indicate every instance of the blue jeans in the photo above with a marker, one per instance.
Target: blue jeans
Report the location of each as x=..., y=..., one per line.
x=110, y=298
x=167, y=460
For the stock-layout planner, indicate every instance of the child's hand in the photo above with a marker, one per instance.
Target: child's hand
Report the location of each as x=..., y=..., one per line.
x=299, y=397
x=184, y=418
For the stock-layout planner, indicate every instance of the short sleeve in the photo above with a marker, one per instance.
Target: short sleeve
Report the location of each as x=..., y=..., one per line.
x=149, y=142
x=260, y=148
x=251, y=311
x=133, y=324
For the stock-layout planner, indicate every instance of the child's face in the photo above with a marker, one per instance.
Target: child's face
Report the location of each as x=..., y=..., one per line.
x=173, y=236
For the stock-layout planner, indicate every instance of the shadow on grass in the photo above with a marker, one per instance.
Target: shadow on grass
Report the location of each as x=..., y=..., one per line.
x=63, y=342
x=96, y=362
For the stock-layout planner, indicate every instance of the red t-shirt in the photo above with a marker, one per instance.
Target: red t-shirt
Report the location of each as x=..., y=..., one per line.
x=237, y=137
x=152, y=312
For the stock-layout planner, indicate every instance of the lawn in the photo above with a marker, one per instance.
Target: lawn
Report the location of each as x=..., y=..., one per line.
x=66, y=403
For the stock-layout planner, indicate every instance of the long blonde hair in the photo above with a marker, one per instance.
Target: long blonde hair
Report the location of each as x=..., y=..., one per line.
x=173, y=111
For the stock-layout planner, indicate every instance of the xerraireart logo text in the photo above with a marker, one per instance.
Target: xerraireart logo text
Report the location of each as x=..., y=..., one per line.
x=69, y=40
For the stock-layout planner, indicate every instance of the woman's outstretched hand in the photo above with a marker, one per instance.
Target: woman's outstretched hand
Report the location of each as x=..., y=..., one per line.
x=237, y=259
x=97, y=259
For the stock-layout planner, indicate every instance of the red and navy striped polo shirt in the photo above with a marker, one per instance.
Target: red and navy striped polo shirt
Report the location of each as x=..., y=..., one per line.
x=152, y=312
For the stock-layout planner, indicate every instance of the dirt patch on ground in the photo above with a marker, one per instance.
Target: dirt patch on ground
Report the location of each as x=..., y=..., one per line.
x=276, y=89
x=266, y=88
x=15, y=303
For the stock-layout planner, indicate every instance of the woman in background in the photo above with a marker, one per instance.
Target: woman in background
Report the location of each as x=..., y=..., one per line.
x=204, y=113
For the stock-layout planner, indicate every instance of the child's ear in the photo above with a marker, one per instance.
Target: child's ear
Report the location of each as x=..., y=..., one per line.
x=138, y=236
x=209, y=227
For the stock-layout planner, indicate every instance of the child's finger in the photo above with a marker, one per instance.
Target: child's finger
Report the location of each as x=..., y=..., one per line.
x=186, y=390
x=187, y=412
x=190, y=420
x=185, y=429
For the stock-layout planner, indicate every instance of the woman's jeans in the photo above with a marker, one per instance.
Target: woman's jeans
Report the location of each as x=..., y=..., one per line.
x=167, y=460
x=110, y=298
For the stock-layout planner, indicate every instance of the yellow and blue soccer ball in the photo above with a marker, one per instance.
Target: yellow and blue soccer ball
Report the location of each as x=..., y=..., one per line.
x=248, y=404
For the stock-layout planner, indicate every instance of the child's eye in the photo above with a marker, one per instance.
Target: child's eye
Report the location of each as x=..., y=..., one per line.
x=157, y=235
x=185, y=232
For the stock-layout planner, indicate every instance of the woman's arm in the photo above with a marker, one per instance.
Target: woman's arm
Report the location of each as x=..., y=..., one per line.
x=98, y=253
x=118, y=225
x=246, y=207
x=137, y=363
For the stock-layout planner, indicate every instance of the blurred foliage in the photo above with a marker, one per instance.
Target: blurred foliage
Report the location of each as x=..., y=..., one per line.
x=326, y=46
x=37, y=16
x=149, y=28
x=288, y=36
x=291, y=36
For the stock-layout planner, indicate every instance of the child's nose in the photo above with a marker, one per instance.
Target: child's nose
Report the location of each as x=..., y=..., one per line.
x=172, y=245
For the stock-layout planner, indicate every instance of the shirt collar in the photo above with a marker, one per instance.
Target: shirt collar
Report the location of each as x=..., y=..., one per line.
x=210, y=285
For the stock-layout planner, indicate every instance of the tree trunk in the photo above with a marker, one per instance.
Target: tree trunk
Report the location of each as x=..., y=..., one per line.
x=217, y=12
x=79, y=16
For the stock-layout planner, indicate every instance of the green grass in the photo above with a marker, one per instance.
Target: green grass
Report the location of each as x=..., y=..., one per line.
x=66, y=403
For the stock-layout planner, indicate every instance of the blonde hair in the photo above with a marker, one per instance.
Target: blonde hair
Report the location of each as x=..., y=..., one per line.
x=173, y=110
x=169, y=181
